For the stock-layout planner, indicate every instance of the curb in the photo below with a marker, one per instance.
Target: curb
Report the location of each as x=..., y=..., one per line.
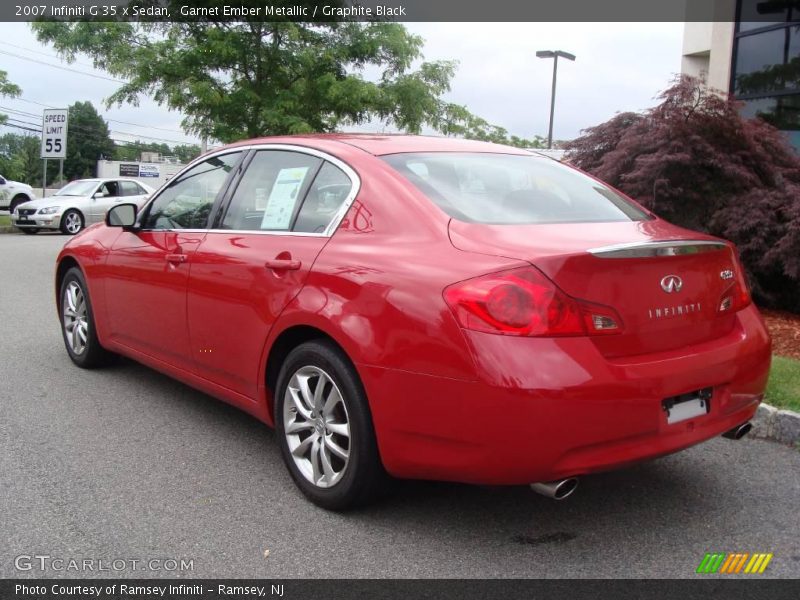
x=781, y=426
x=8, y=229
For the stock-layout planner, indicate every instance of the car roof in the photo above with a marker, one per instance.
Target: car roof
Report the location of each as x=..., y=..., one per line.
x=382, y=144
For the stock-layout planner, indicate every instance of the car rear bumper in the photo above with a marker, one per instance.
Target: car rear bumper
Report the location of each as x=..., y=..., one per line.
x=543, y=409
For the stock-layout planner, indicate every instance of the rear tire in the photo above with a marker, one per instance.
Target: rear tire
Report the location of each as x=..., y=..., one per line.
x=330, y=448
x=72, y=222
x=77, y=323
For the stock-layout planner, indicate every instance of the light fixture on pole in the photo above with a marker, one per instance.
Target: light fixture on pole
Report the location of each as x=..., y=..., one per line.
x=554, y=54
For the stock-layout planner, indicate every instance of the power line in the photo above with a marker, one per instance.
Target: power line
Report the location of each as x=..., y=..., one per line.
x=47, y=64
x=61, y=67
x=107, y=118
x=20, y=127
x=77, y=62
x=39, y=131
x=24, y=122
x=117, y=131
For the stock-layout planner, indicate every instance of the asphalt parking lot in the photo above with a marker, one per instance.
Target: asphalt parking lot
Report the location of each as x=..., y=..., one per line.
x=126, y=463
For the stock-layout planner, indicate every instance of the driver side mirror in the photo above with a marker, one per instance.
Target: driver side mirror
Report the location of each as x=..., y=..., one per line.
x=2, y=180
x=122, y=215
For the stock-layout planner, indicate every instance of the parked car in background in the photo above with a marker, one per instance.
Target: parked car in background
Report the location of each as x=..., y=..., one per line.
x=14, y=193
x=78, y=204
x=433, y=308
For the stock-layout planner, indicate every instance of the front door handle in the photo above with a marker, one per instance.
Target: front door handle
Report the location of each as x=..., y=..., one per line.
x=176, y=258
x=283, y=264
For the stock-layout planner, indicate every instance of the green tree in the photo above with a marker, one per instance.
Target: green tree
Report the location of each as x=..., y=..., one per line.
x=186, y=152
x=19, y=158
x=240, y=80
x=87, y=141
x=7, y=89
x=133, y=150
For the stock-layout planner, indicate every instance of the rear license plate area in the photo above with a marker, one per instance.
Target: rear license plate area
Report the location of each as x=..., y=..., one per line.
x=687, y=406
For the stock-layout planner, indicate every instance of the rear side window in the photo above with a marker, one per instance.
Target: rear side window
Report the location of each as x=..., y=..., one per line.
x=130, y=188
x=270, y=191
x=506, y=189
x=287, y=191
x=326, y=195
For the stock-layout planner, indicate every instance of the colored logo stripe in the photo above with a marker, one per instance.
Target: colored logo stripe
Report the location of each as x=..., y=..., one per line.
x=731, y=563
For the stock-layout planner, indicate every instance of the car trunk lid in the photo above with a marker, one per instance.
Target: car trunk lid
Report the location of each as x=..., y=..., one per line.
x=665, y=283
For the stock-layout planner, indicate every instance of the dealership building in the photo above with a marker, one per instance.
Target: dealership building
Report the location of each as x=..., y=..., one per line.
x=754, y=58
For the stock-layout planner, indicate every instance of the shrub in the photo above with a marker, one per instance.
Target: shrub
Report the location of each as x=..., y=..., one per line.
x=695, y=161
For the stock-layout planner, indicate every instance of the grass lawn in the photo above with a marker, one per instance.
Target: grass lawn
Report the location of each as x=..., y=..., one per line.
x=783, y=389
x=5, y=221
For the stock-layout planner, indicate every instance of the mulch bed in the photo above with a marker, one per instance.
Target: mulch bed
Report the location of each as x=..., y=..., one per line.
x=785, y=330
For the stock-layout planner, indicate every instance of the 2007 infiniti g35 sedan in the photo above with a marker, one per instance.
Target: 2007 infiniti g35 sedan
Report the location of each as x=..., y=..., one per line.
x=424, y=307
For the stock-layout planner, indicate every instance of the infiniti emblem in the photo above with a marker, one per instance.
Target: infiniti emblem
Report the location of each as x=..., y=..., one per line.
x=671, y=283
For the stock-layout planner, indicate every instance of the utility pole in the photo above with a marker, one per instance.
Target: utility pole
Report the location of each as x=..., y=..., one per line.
x=554, y=54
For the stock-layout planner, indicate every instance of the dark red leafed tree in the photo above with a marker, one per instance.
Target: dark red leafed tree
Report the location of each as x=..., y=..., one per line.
x=696, y=162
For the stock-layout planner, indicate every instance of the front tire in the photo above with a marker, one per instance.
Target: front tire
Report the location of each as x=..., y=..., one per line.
x=71, y=222
x=324, y=428
x=16, y=201
x=77, y=323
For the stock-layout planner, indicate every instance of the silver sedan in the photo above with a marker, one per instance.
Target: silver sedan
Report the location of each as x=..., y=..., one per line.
x=78, y=204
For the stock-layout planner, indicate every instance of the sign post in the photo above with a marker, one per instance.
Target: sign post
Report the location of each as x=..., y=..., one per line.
x=54, y=138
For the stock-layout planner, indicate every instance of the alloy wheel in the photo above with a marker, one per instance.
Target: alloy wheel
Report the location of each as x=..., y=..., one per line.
x=316, y=426
x=75, y=317
x=72, y=222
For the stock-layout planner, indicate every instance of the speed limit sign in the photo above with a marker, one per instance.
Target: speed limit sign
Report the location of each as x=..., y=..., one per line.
x=54, y=133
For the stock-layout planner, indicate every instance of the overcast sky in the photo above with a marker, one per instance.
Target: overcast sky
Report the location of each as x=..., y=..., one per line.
x=619, y=67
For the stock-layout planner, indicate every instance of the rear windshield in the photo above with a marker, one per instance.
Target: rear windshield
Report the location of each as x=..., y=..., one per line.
x=507, y=189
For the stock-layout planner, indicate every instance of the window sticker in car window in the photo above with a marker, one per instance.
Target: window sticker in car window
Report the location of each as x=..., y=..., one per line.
x=282, y=198
x=260, y=198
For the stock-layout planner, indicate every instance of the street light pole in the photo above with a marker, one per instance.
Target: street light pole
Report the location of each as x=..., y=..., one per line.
x=554, y=54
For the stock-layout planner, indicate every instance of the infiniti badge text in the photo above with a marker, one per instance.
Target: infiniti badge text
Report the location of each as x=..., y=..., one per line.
x=674, y=311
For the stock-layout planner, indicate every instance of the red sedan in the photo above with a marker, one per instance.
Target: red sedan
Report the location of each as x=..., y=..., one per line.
x=423, y=307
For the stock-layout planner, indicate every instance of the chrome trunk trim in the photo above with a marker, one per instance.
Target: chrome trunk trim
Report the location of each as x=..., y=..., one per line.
x=660, y=248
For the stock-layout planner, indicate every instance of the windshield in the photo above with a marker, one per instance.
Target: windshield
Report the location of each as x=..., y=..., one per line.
x=506, y=189
x=78, y=188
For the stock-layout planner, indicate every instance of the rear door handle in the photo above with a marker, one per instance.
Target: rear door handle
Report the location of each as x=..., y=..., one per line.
x=176, y=258
x=283, y=264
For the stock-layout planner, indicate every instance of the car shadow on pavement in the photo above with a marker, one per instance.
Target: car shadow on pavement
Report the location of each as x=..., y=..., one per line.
x=670, y=503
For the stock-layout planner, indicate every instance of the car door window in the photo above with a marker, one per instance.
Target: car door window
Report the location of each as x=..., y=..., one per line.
x=110, y=189
x=187, y=202
x=330, y=189
x=270, y=191
x=129, y=188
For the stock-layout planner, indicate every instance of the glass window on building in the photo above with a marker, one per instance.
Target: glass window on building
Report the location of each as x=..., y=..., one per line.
x=766, y=63
x=754, y=14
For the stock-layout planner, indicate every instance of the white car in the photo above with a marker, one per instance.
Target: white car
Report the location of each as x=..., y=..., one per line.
x=78, y=204
x=14, y=193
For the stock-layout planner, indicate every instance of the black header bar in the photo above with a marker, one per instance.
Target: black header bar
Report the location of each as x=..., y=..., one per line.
x=366, y=10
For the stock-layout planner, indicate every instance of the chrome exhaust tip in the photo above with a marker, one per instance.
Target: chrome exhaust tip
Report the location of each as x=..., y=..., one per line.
x=739, y=432
x=557, y=490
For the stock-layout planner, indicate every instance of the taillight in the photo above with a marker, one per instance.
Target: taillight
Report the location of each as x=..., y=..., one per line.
x=737, y=295
x=524, y=302
x=599, y=319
